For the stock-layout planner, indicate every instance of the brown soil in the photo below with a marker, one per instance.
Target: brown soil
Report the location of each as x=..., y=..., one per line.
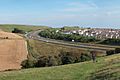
x=13, y=51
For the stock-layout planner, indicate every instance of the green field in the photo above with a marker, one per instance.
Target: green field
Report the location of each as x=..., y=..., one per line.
x=107, y=68
x=68, y=28
x=9, y=28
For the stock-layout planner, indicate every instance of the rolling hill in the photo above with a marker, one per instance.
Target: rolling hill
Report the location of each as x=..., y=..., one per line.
x=13, y=52
x=10, y=27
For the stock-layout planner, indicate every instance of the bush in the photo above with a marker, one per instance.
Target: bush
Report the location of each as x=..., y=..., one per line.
x=52, y=61
x=111, y=42
x=61, y=59
x=67, y=58
x=16, y=30
x=110, y=52
x=58, y=59
x=85, y=57
x=28, y=63
x=117, y=50
x=42, y=62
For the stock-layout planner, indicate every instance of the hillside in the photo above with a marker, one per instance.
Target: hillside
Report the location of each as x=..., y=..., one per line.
x=107, y=68
x=10, y=27
x=13, y=51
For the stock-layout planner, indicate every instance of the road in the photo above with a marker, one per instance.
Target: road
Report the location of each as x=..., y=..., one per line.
x=34, y=35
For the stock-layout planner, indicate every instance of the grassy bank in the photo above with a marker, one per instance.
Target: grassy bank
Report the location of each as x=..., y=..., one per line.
x=109, y=67
x=43, y=48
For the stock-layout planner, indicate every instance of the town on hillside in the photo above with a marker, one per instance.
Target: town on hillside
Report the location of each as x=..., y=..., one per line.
x=100, y=33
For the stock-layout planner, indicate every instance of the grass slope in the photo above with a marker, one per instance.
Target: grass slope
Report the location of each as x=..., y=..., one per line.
x=9, y=28
x=43, y=48
x=108, y=67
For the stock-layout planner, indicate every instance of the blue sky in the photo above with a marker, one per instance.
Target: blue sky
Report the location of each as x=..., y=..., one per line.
x=58, y=13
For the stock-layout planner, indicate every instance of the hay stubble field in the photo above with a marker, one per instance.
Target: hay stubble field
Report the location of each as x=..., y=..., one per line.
x=13, y=51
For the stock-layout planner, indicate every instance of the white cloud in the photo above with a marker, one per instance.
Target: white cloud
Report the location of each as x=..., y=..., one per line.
x=93, y=4
x=74, y=3
x=114, y=12
x=71, y=9
x=78, y=6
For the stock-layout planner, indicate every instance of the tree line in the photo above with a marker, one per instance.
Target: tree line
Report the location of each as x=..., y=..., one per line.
x=52, y=34
x=111, y=42
x=60, y=59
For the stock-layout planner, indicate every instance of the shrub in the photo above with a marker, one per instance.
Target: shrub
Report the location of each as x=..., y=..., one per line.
x=16, y=30
x=42, y=62
x=111, y=41
x=110, y=52
x=52, y=61
x=61, y=59
x=85, y=57
x=28, y=63
x=67, y=57
x=117, y=50
x=58, y=59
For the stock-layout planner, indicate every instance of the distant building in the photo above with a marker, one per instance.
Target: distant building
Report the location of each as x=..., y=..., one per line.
x=97, y=32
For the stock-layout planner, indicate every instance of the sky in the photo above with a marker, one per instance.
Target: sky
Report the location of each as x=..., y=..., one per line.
x=59, y=13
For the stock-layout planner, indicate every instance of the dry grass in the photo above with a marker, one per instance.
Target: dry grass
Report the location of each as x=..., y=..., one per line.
x=43, y=48
x=12, y=51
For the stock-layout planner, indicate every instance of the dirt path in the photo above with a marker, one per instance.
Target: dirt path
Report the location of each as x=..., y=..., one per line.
x=12, y=51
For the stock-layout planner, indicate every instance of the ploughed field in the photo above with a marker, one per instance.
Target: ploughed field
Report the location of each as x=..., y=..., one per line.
x=13, y=50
